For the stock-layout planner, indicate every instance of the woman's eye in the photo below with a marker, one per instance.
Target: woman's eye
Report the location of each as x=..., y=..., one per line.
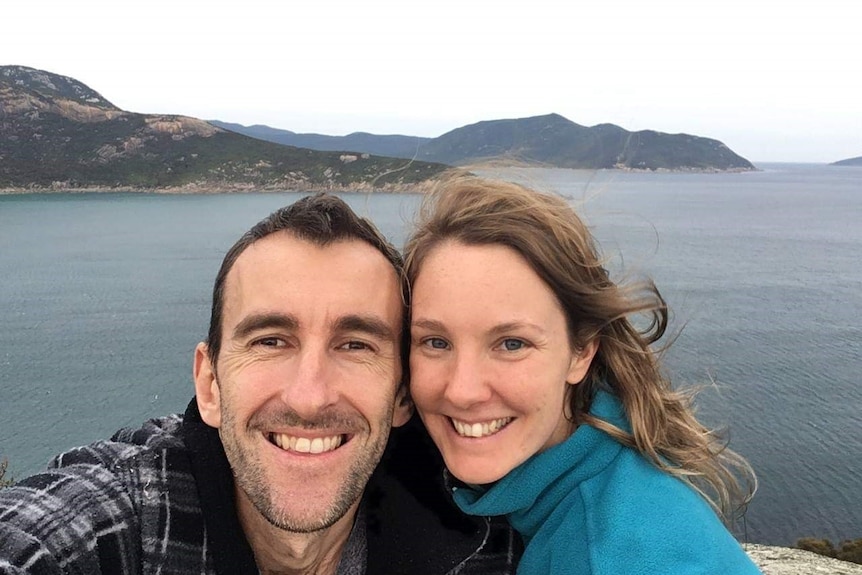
x=436, y=343
x=512, y=344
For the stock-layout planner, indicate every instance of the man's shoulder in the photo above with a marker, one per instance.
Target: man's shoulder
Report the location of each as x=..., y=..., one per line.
x=126, y=446
x=158, y=432
x=99, y=506
x=120, y=465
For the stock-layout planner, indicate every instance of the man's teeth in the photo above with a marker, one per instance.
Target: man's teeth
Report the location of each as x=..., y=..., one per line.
x=480, y=429
x=306, y=445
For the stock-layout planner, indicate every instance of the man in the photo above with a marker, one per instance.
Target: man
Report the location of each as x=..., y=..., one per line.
x=273, y=468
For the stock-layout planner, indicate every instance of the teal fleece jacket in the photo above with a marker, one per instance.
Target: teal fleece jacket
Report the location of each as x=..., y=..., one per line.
x=591, y=506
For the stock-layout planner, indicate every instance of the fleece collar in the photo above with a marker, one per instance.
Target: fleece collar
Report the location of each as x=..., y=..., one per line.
x=529, y=493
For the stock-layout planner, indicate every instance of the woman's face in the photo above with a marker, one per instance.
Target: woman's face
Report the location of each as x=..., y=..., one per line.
x=490, y=359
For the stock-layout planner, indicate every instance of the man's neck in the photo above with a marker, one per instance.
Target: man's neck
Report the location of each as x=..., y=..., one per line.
x=279, y=552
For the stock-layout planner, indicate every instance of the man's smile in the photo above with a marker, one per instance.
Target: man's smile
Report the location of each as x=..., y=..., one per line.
x=305, y=444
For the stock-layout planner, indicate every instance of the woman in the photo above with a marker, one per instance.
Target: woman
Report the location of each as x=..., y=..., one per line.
x=547, y=402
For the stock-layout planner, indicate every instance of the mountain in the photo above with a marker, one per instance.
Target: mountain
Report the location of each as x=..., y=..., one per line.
x=57, y=133
x=550, y=140
x=556, y=141
x=395, y=146
x=848, y=162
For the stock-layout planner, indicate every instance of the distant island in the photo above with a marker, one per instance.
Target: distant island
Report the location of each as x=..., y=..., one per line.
x=549, y=140
x=57, y=134
x=848, y=162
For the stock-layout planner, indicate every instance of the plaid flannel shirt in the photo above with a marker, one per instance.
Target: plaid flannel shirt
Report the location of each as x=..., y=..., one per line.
x=160, y=500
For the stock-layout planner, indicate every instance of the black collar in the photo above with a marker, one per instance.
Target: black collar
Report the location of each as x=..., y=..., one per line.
x=413, y=526
x=230, y=550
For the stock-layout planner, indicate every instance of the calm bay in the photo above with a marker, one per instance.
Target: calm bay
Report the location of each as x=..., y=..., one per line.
x=103, y=297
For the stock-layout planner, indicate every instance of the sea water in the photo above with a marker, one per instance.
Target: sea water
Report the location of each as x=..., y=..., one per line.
x=104, y=296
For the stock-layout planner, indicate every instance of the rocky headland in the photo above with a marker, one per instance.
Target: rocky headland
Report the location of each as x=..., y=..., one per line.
x=57, y=134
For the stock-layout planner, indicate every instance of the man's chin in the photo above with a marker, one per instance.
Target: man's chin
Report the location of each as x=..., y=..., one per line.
x=306, y=505
x=306, y=519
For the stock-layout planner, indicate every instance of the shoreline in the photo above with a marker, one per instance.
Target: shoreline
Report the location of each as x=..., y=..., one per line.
x=360, y=187
x=201, y=189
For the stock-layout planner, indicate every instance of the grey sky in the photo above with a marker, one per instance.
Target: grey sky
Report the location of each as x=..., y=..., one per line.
x=774, y=81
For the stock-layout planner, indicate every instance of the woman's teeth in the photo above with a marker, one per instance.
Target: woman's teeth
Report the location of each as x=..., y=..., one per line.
x=480, y=429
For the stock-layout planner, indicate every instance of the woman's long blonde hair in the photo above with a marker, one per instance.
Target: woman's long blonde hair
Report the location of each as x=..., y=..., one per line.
x=547, y=232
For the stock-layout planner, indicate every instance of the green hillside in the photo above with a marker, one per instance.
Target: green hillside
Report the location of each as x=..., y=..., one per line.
x=56, y=133
x=556, y=141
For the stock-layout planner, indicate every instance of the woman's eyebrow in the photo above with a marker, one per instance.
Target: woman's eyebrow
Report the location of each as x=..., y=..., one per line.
x=429, y=324
x=510, y=326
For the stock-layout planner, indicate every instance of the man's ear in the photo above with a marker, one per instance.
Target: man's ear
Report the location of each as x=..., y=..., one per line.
x=206, y=387
x=403, y=407
x=581, y=361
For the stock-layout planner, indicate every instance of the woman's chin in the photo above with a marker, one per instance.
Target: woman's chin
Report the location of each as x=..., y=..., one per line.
x=472, y=474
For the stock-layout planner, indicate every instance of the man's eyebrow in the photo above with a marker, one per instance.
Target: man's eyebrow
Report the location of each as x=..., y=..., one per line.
x=370, y=325
x=260, y=321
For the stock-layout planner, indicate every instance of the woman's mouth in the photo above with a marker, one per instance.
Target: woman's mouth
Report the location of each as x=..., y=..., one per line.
x=480, y=429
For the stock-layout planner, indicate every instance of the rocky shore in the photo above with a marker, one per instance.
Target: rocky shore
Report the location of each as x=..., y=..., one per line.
x=786, y=561
x=229, y=188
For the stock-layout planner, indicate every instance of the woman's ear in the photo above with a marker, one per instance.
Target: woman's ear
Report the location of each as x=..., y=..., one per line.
x=581, y=361
x=206, y=387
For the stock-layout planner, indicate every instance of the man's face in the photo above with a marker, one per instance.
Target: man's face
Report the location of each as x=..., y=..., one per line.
x=304, y=389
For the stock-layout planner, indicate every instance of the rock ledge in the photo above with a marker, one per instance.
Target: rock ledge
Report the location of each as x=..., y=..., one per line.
x=787, y=561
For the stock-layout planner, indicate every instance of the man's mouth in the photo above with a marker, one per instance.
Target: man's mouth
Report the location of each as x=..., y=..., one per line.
x=480, y=429
x=305, y=444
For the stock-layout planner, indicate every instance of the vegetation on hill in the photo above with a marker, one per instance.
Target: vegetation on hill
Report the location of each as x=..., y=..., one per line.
x=849, y=550
x=554, y=140
x=56, y=133
x=550, y=140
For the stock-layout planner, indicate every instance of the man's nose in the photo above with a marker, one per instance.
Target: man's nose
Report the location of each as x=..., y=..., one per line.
x=467, y=383
x=310, y=387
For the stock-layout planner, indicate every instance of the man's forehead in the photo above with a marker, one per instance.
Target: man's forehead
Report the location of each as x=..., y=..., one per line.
x=286, y=247
x=343, y=277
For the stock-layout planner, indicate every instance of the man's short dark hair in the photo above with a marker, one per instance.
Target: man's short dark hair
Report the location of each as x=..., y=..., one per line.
x=320, y=219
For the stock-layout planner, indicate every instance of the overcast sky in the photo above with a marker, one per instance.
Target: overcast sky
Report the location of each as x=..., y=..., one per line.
x=775, y=81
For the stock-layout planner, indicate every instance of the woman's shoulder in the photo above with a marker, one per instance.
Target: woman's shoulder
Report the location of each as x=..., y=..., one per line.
x=642, y=519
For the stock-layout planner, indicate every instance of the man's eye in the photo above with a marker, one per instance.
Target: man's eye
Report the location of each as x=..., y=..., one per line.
x=270, y=342
x=355, y=345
